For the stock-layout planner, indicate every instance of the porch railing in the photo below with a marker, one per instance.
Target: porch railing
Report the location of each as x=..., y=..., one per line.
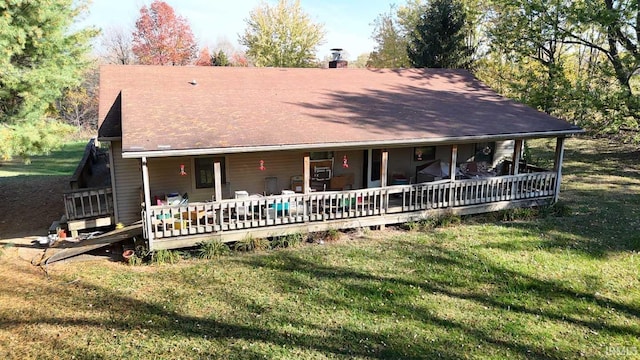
x=263, y=211
x=88, y=203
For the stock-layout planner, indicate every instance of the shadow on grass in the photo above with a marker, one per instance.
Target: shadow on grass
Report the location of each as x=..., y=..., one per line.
x=419, y=269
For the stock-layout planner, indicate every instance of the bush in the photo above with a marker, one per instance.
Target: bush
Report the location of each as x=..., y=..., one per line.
x=332, y=235
x=290, y=240
x=135, y=260
x=250, y=243
x=412, y=225
x=166, y=257
x=212, y=249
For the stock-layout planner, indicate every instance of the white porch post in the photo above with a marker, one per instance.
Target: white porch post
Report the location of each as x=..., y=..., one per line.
x=557, y=166
x=147, y=201
x=454, y=160
x=517, y=150
x=384, y=164
x=217, y=176
x=114, y=193
x=306, y=173
x=452, y=173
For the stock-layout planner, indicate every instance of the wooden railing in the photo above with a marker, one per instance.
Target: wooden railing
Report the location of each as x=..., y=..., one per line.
x=262, y=211
x=444, y=193
x=88, y=203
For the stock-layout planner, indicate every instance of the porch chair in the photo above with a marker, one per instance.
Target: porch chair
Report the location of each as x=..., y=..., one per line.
x=242, y=210
x=270, y=185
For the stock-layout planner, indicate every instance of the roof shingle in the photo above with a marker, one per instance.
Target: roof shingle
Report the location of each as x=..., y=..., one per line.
x=162, y=109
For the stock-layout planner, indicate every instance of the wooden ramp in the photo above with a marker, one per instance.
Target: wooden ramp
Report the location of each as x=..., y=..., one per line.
x=74, y=249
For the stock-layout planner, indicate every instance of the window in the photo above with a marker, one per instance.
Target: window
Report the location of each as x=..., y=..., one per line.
x=204, y=171
x=321, y=155
x=424, y=153
x=484, y=152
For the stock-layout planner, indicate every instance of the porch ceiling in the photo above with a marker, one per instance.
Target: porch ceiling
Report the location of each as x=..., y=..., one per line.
x=186, y=109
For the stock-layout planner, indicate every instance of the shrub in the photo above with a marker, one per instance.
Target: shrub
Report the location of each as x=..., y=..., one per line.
x=166, y=257
x=250, y=243
x=290, y=240
x=135, y=260
x=412, y=225
x=212, y=249
x=332, y=235
x=518, y=214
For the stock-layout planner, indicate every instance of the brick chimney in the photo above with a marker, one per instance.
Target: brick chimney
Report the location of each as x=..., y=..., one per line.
x=337, y=62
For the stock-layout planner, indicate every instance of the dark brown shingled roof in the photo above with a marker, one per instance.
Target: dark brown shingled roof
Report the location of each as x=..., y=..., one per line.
x=161, y=110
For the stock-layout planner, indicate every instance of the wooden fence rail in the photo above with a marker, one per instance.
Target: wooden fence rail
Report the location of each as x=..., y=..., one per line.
x=261, y=211
x=88, y=203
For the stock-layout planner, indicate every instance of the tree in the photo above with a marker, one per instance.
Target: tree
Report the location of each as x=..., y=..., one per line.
x=162, y=37
x=79, y=105
x=204, y=58
x=573, y=59
x=438, y=41
x=282, y=36
x=116, y=44
x=220, y=59
x=42, y=55
x=529, y=32
x=360, y=62
x=391, y=48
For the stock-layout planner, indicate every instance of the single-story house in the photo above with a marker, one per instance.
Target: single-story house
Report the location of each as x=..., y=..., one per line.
x=224, y=152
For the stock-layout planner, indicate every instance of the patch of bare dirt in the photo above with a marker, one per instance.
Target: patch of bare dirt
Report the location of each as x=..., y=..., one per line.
x=29, y=204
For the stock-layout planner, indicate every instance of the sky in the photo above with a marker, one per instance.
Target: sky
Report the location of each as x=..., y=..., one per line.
x=347, y=22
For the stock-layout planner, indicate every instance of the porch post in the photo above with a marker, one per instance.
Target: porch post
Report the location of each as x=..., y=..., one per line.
x=218, y=181
x=517, y=150
x=452, y=173
x=384, y=163
x=114, y=193
x=454, y=160
x=306, y=173
x=147, y=201
x=557, y=167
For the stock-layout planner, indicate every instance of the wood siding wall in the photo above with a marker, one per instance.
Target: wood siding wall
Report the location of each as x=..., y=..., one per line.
x=128, y=185
x=243, y=173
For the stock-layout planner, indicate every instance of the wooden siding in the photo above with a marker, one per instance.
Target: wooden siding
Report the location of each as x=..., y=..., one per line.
x=127, y=182
x=165, y=178
x=355, y=159
x=243, y=173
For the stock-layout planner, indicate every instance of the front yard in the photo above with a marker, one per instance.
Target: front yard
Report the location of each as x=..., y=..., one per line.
x=565, y=284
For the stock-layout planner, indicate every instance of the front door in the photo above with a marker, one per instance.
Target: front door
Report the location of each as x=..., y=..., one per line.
x=374, y=161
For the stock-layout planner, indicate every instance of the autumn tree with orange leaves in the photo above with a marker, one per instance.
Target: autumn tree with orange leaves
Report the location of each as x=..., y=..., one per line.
x=162, y=37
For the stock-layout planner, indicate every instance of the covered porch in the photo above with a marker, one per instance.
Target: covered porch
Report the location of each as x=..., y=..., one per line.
x=259, y=215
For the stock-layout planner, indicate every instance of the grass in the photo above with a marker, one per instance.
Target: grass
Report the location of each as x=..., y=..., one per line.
x=59, y=162
x=560, y=285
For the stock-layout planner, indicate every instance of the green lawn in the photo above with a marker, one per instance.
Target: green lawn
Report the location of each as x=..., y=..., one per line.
x=58, y=162
x=552, y=287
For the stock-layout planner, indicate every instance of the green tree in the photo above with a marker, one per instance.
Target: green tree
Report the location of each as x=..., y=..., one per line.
x=220, y=59
x=573, y=59
x=391, y=48
x=282, y=36
x=530, y=31
x=439, y=39
x=42, y=55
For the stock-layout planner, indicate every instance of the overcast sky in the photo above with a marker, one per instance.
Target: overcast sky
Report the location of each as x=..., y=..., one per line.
x=347, y=22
